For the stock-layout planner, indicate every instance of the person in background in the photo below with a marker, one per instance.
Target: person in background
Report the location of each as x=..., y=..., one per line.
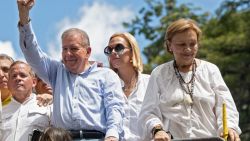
x=22, y=115
x=185, y=95
x=87, y=100
x=42, y=87
x=124, y=58
x=55, y=134
x=5, y=62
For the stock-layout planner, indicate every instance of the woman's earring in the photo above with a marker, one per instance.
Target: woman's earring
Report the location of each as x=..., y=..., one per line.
x=170, y=50
x=131, y=61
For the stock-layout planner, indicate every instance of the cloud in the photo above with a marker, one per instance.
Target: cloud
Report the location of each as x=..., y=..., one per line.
x=100, y=21
x=7, y=48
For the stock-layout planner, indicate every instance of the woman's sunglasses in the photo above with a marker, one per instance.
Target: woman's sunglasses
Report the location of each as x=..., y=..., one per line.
x=119, y=48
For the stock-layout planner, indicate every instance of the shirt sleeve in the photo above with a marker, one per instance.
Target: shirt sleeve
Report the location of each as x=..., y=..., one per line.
x=150, y=114
x=114, y=104
x=223, y=95
x=43, y=66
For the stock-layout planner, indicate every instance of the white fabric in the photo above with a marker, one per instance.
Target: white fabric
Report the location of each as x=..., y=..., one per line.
x=132, y=108
x=164, y=103
x=19, y=120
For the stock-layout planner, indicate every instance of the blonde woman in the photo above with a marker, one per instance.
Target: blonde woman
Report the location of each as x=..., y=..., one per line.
x=125, y=59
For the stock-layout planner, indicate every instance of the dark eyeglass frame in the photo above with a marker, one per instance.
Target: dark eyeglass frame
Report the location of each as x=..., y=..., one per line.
x=119, y=48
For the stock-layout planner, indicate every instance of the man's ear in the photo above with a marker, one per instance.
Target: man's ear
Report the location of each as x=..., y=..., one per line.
x=88, y=51
x=34, y=82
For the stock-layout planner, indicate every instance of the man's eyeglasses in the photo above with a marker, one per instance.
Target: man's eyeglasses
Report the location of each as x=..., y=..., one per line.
x=119, y=48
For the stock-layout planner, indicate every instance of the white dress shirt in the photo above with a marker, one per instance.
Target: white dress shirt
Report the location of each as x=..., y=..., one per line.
x=133, y=107
x=165, y=104
x=20, y=119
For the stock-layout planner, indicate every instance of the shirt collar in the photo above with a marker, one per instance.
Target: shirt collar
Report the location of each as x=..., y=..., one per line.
x=31, y=97
x=86, y=72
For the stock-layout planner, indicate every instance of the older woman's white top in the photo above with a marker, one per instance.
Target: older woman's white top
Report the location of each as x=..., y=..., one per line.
x=165, y=103
x=133, y=107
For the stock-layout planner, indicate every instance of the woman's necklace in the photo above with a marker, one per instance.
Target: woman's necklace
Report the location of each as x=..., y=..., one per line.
x=130, y=86
x=188, y=87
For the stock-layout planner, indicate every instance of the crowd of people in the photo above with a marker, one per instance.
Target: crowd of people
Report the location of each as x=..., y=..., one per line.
x=78, y=99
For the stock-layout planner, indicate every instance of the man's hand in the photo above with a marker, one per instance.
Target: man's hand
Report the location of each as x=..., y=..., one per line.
x=162, y=136
x=232, y=135
x=24, y=7
x=111, y=138
x=44, y=99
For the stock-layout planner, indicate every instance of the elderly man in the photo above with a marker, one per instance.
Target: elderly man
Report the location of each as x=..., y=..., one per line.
x=88, y=100
x=22, y=115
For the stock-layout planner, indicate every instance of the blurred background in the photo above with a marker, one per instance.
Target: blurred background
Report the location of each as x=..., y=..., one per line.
x=225, y=25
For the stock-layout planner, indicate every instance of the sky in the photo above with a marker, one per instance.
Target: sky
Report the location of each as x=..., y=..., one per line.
x=99, y=18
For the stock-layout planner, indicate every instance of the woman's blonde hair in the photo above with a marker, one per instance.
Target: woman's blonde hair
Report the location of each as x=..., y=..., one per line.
x=136, y=56
x=179, y=26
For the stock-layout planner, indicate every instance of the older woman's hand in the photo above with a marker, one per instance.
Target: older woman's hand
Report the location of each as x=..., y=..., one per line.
x=232, y=135
x=162, y=136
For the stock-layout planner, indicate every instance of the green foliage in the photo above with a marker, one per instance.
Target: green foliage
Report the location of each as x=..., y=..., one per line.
x=152, y=24
x=225, y=42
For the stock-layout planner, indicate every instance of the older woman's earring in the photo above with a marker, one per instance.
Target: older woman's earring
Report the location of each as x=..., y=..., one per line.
x=131, y=61
x=170, y=50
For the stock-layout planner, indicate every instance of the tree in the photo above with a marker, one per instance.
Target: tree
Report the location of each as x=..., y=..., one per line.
x=154, y=20
x=226, y=43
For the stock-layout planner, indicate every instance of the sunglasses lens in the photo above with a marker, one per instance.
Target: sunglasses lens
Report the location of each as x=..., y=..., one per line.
x=119, y=48
x=108, y=50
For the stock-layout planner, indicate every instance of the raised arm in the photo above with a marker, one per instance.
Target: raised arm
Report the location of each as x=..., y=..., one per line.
x=44, y=66
x=24, y=7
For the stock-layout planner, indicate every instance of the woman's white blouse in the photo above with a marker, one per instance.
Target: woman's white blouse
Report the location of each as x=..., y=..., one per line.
x=133, y=107
x=165, y=104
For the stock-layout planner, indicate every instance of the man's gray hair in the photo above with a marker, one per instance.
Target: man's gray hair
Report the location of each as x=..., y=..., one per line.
x=82, y=33
x=7, y=57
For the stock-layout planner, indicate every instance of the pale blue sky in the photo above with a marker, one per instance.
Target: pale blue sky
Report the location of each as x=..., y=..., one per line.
x=100, y=18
